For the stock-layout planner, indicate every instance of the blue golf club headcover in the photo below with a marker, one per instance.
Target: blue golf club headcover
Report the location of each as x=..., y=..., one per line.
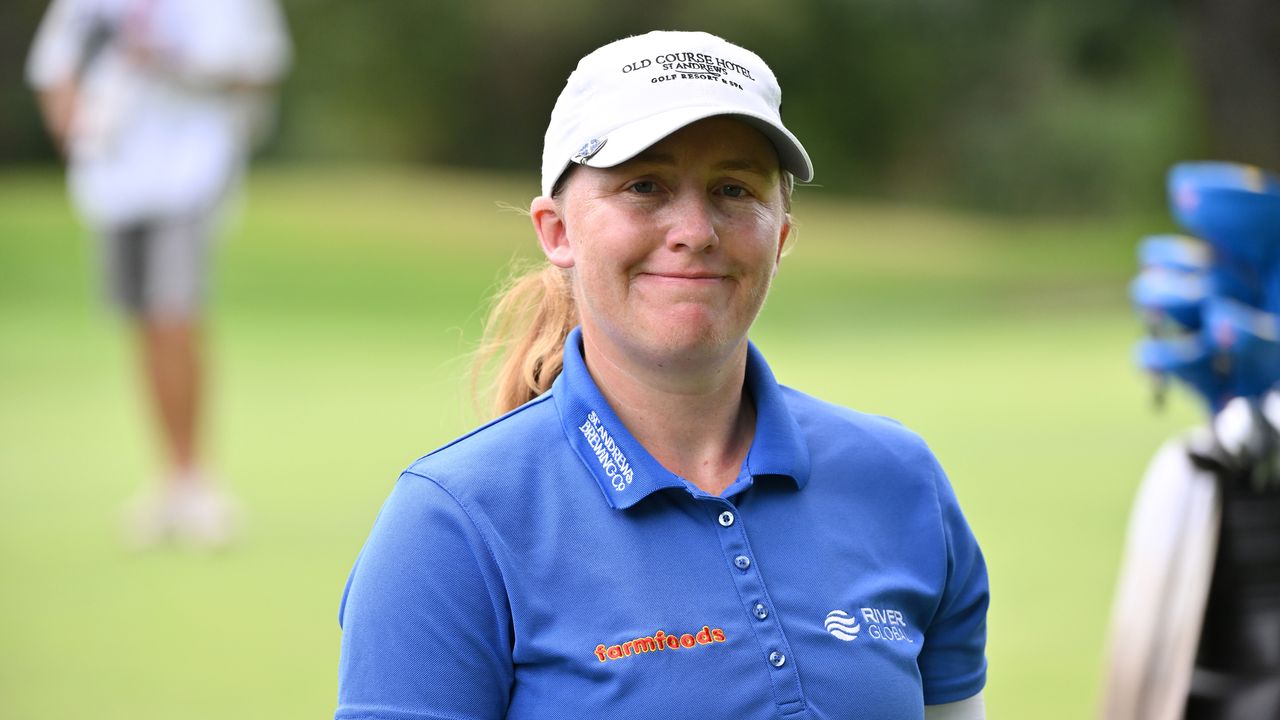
x=1212, y=305
x=1236, y=209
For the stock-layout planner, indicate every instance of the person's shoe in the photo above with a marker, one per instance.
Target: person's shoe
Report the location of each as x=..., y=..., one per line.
x=148, y=519
x=204, y=515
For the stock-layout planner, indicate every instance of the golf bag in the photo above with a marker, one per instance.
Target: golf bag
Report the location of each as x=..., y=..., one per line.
x=1195, y=628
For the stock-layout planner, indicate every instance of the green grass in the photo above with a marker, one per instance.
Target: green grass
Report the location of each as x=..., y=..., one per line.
x=345, y=299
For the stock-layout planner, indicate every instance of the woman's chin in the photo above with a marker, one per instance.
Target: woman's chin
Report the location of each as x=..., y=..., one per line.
x=689, y=337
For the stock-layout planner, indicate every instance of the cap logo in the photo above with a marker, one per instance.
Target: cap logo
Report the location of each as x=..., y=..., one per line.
x=687, y=65
x=589, y=148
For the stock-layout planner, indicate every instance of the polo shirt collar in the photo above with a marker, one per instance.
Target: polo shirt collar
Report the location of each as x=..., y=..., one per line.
x=625, y=470
x=778, y=447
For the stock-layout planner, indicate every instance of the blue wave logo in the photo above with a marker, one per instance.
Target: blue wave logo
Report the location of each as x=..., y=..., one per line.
x=842, y=626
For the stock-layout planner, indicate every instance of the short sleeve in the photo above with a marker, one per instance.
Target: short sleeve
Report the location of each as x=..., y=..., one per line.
x=425, y=620
x=953, y=663
x=60, y=44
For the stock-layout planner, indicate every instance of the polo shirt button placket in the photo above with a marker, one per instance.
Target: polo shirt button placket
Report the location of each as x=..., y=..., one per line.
x=767, y=632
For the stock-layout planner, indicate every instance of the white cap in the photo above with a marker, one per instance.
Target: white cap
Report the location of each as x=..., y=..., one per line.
x=633, y=92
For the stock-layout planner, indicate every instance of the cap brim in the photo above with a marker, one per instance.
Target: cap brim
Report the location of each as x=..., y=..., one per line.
x=628, y=141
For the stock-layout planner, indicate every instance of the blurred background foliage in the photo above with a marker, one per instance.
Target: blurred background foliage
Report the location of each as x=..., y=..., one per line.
x=1018, y=106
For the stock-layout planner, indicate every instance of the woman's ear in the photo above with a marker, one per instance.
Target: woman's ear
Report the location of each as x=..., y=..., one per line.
x=783, y=235
x=553, y=236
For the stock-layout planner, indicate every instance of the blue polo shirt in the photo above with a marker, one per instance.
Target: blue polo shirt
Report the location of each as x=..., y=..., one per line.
x=546, y=566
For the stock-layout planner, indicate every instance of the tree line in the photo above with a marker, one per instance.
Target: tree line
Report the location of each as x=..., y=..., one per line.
x=1032, y=105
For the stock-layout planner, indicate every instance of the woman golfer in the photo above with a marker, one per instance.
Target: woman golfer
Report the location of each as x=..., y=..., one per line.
x=657, y=528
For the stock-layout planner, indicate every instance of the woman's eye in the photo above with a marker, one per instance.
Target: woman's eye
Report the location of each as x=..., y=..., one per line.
x=644, y=187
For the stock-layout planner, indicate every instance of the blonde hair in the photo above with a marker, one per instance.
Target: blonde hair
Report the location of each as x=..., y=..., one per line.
x=525, y=330
x=524, y=335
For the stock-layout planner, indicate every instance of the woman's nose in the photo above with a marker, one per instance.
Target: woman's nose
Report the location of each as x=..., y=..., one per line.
x=692, y=225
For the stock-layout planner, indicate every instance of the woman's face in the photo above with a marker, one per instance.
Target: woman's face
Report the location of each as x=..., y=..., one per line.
x=673, y=251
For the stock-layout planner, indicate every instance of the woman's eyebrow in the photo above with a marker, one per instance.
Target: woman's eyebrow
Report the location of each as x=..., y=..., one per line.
x=748, y=166
x=651, y=157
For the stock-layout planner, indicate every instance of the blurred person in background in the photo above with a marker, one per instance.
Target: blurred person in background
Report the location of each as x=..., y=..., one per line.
x=155, y=105
x=654, y=526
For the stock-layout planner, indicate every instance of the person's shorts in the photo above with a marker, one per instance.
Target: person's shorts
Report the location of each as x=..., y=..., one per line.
x=157, y=269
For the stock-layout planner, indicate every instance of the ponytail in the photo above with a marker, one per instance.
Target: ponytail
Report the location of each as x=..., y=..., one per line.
x=524, y=334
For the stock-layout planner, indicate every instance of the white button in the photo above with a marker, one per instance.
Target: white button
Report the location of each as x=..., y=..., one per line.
x=777, y=659
x=726, y=518
x=742, y=562
x=761, y=611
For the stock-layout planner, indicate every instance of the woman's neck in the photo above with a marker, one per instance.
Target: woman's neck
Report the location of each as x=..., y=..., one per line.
x=695, y=419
